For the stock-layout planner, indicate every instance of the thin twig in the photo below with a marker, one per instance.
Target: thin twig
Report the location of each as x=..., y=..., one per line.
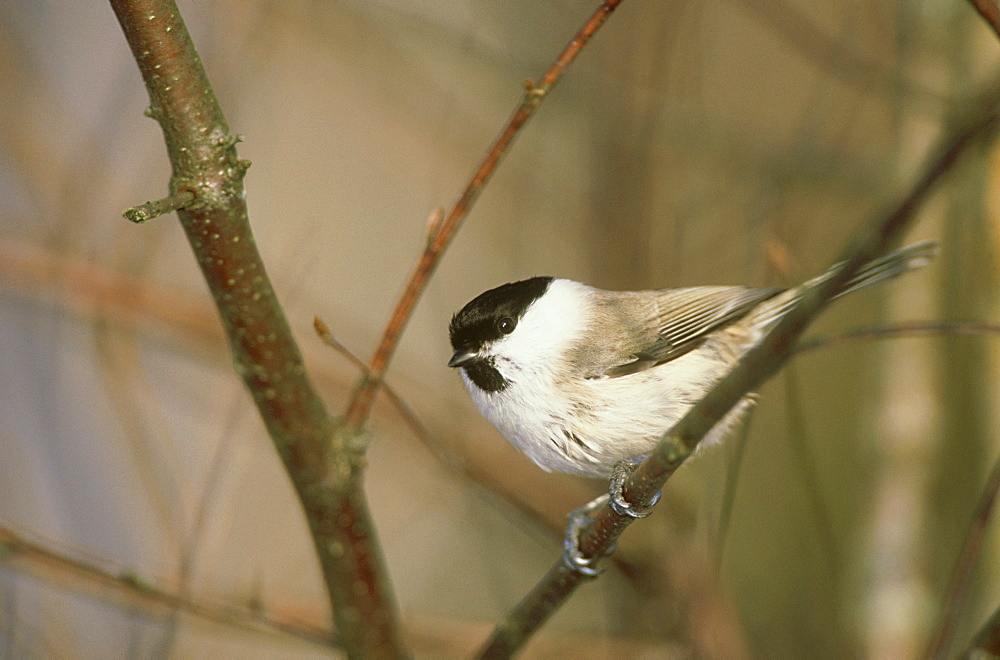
x=150, y=210
x=961, y=579
x=324, y=466
x=759, y=364
x=361, y=402
x=990, y=12
x=404, y=409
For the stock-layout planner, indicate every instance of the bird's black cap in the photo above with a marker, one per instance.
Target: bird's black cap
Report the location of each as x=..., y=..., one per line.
x=493, y=314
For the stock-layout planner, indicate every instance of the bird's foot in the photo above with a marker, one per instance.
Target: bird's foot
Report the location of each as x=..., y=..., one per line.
x=579, y=518
x=576, y=522
x=618, y=503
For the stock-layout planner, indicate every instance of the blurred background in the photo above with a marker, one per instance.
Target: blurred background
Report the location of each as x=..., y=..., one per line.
x=144, y=512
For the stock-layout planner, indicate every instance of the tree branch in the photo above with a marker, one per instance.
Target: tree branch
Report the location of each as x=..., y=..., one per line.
x=442, y=232
x=323, y=464
x=759, y=364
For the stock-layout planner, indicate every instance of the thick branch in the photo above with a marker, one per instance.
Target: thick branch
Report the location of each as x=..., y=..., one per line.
x=443, y=232
x=323, y=466
x=757, y=365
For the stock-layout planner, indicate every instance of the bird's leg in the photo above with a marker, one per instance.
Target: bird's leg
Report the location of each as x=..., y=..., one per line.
x=621, y=472
x=580, y=517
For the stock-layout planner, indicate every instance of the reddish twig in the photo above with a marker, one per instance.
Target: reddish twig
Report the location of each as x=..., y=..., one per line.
x=442, y=233
x=322, y=463
x=961, y=579
x=759, y=364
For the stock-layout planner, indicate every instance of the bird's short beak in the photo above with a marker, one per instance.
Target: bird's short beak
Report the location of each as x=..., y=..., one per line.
x=462, y=358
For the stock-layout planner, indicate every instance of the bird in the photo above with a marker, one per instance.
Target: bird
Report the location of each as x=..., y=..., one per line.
x=581, y=379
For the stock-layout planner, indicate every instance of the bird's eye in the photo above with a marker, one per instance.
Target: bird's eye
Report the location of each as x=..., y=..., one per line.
x=506, y=325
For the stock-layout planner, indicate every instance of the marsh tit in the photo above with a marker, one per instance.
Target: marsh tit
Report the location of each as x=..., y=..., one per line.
x=580, y=379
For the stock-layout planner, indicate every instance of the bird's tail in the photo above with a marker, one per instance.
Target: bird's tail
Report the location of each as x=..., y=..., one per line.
x=878, y=270
x=891, y=265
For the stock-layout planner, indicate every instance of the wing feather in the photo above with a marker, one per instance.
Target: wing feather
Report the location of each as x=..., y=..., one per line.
x=683, y=319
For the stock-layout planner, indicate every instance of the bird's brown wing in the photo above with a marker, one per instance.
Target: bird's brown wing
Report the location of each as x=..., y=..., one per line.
x=684, y=318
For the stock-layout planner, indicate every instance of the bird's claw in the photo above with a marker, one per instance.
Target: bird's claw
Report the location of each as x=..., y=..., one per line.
x=576, y=521
x=618, y=503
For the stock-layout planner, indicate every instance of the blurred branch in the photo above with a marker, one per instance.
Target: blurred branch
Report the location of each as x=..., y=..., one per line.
x=962, y=577
x=990, y=12
x=16, y=546
x=433, y=636
x=324, y=464
x=759, y=364
x=190, y=323
x=442, y=232
x=987, y=641
x=807, y=470
x=829, y=55
x=899, y=330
